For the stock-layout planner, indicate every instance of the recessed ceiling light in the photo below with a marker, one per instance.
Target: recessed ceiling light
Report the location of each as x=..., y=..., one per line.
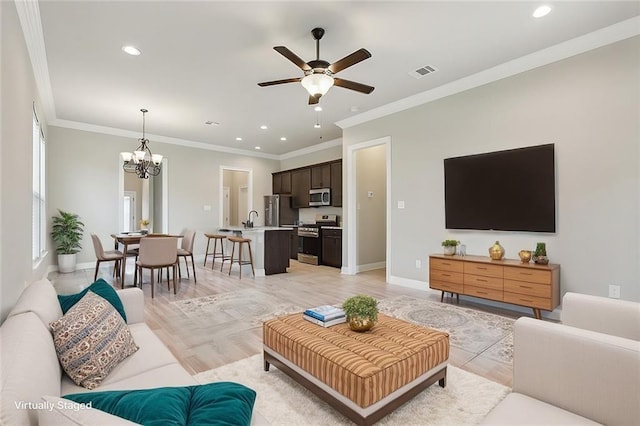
x=257, y=147
x=318, y=108
x=209, y=122
x=134, y=51
x=355, y=109
x=283, y=138
x=264, y=127
x=239, y=139
x=316, y=126
x=541, y=11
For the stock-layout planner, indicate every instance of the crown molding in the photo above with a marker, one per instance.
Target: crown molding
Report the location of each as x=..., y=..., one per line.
x=29, y=16
x=311, y=149
x=158, y=138
x=608, y=35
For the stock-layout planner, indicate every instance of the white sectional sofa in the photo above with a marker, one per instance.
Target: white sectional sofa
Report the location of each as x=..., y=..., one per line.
x=30, y=369
x=569, y=374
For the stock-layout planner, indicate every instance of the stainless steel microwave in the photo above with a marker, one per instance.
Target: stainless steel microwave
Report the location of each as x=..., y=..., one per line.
x=319, y=197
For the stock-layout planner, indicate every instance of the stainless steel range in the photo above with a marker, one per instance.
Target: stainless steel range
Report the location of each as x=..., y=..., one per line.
x=309, y=241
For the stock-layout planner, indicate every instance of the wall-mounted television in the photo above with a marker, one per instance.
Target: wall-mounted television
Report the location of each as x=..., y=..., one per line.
x=512, y=190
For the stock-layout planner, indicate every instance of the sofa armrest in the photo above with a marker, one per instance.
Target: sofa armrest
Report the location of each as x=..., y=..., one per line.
x=591, y=374
x=133, y=302
x=611, y=316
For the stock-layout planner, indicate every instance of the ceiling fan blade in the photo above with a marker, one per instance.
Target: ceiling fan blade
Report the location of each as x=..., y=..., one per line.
x=292, y=57
x=272, y=83
x=313, y=99
x=347, y=61
x=358, y=87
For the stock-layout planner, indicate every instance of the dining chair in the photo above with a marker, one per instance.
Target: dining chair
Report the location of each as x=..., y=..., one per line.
x=105, y=256
x=157, y=253
x=186, y=250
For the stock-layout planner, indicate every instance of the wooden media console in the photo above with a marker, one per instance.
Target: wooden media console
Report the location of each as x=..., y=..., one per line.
x=510, y=281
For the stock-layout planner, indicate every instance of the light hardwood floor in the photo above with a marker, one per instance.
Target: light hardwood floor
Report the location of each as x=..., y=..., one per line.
x=200, y=347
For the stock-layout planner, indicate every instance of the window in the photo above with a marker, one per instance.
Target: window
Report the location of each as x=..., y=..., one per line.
x=39, y=221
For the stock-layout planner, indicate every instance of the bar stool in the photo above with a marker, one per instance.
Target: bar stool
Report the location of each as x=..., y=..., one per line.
x=241, y=241
x=215, y=253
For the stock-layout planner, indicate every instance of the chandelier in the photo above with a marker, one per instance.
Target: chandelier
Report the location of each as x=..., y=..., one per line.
x=141, y=161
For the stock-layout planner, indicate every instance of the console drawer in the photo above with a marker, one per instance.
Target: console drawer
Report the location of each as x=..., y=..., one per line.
x=527, y=274
x=483, y=282
x=446, y=265
x=484, y=269
x=530, y=301
x=527, y=289
x=444, y=286
x=483, y=292
x=446, y=276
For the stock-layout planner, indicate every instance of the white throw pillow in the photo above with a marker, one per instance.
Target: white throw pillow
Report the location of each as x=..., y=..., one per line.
x=91, y=339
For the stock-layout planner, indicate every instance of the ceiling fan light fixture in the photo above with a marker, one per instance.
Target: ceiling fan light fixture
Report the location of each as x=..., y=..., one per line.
x=317, y=84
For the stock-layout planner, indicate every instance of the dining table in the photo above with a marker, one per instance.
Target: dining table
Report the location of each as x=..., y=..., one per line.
x=133, y=238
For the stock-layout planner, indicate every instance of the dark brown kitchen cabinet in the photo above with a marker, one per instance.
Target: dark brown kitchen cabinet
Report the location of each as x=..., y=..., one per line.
x=300, y=185
x=294, y=244
x=336, y=184
x=321, y=176
x=281, y=183
x=332, y=247
x=276, y=250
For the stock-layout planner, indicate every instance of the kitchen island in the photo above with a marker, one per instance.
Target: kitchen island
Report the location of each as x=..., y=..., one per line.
x=269, y=244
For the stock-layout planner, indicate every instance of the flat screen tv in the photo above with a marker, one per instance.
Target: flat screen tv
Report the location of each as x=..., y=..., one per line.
x=511, y=190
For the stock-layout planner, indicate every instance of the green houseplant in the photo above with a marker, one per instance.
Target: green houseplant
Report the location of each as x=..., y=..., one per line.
x=450, y=246
x=540, y=254
x=361, y=312
x=66, y=231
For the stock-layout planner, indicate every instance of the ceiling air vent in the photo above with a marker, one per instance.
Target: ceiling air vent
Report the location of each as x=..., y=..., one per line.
x=422, y=71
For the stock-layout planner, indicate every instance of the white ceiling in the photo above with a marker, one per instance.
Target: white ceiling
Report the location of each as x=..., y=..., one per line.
x=202, y=60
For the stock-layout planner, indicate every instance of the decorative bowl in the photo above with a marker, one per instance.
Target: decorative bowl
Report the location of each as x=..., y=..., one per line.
x=525, y=256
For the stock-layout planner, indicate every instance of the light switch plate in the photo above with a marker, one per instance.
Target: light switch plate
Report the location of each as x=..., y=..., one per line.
x=206, y=208
x=401, y=204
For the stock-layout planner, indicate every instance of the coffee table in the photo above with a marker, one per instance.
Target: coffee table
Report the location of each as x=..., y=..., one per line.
x=365, y=376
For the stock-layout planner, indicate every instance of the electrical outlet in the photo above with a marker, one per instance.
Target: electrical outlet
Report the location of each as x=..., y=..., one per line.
x=418, y=263
x=614, y=291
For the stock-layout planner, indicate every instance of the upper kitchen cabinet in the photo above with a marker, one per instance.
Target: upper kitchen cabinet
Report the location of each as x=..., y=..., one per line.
x=336, y=183
x=321, y=176
x=282, y=183
x=300, y=185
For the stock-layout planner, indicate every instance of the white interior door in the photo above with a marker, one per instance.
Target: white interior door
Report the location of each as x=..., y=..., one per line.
x=225, y=206
x=243, y=204
x=129, y=211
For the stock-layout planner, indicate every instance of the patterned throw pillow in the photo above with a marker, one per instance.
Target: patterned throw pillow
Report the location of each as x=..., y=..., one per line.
x=91, y=339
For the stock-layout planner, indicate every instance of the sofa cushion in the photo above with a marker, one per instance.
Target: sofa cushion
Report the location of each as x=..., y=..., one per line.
x=40, y=298
x=91, y=339
x=214, y=403
x=29, y=368
x=60, y=411
x=101, y=288
x=519, y=410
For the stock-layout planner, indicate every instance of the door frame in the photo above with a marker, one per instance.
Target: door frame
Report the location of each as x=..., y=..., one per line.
x=220, y=191
x=352, y=226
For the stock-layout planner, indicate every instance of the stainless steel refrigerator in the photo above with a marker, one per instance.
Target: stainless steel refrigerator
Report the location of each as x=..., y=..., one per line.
x=278, y=211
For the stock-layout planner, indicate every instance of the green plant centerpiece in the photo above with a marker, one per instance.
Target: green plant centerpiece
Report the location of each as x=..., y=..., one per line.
x=450, y=246
x=66, y=231
x=361, y=312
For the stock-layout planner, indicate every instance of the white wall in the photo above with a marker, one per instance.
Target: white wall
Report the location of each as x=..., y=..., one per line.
x=589, y=107
x=320, y=153
x=90, y=189
x=19, y=92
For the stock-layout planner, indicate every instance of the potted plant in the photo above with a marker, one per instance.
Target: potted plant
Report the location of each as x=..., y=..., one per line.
x=450, y=247
x=540, y=254
x=361, y=312
x=66, y=232
x=144, y=226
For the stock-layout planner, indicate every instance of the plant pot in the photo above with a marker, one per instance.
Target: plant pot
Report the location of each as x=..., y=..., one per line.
x=66, y=263
x=360, y=324
x=449, y=250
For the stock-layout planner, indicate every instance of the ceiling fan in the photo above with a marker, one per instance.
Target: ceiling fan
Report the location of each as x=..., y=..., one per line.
x=319, y=74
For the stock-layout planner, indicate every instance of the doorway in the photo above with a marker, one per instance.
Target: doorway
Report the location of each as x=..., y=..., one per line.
x=236, y=195
x=129, y=217
x=368, y=206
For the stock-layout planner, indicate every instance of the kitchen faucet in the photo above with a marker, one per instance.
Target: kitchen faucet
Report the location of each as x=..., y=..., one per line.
x=249, y=223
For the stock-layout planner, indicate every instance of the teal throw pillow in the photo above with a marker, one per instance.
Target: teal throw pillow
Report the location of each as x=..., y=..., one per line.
x=222, y=403
x=102, y=289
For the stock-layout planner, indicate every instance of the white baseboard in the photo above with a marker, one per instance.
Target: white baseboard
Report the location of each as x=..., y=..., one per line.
x=407, y=282
x=371, y=266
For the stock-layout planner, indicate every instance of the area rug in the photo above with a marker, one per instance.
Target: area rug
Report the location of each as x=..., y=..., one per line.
x=469, y=329
x=465, y=400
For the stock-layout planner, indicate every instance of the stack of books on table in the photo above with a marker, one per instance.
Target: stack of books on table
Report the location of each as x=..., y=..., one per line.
x=325, y=315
